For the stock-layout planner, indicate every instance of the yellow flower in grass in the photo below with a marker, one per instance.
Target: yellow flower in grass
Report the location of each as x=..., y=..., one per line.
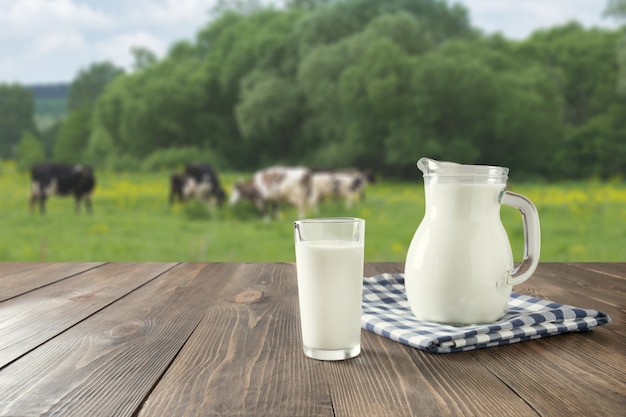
x=577, y=250
x=398, y=248
x=364, y=213
x=99, y=229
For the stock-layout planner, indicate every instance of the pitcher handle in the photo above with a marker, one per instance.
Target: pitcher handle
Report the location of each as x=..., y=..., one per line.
x=532, y=235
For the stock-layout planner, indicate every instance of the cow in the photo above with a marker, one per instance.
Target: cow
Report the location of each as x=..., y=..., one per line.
x=50, y=179
x=199, y=181
x=347, y=184
x=177, y=184
x=270, y=187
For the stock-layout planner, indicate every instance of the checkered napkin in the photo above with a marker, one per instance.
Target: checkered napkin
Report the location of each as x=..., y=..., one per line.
x=386, y=312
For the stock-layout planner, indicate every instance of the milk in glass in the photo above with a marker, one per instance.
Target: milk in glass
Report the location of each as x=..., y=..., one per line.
x=330, y=279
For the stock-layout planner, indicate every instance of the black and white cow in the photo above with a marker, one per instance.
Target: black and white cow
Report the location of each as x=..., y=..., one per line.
x=199, y=181
x=50, y=179
x=177, y=184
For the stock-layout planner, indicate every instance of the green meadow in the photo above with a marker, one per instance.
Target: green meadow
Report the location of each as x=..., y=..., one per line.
x=580, y=221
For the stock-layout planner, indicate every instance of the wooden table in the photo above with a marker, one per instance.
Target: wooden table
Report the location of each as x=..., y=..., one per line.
x=223, y=339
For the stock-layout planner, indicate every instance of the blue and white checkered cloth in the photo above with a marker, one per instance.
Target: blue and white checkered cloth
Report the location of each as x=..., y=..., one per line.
x=386, y=312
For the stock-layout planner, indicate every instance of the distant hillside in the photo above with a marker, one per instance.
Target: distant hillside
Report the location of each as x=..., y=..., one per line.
x=47, y=91
x=50, y=102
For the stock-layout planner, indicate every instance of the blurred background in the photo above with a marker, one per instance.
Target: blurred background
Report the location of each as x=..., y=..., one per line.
x=139, y=89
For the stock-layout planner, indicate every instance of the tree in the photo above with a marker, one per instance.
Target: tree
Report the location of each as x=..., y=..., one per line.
x=375, y=92
x=324, y=127
x=268, y=115
x=85, y=90
x=73, y=136
x=29, y=151
x=617, y=9
x=16, y=116
x=475, y=102
x=90, y=83
x=455, y=97
x=143, y=57
x=243, y=7
x=355, y=73
x=585, y=63
x=341, y=19
x=100, y=148
x=159, y=107
x=525, y=130
x=368, y=83
x=306, y=4
x=584, y=74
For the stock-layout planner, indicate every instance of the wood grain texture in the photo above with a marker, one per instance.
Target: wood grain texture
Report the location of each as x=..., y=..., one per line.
x=576, y=373
x=18, y=278
x=40, y=314
x=223, y=339
x=107, y=364
x=245, y=359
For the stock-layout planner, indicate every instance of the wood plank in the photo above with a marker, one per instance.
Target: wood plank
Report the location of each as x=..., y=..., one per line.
x=614, y=269
x=555, y=373
x=376, y=268
x=390, y=379
x=19, y=278
x=572, y=280
x=107, y=364
x=35, y=317
x=580, y=287
x=245, y=358
x=224, y=339
x=561, y=375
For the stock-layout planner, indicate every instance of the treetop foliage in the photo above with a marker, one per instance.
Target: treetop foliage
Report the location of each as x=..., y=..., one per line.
x=365, y=83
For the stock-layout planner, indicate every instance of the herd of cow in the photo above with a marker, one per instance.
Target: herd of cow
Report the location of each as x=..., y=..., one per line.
x=267, y=189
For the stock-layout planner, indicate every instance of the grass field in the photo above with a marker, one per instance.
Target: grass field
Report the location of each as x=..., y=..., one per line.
x=580, y=221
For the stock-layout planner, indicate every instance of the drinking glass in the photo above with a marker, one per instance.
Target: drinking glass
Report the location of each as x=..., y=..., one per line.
x=329, y=264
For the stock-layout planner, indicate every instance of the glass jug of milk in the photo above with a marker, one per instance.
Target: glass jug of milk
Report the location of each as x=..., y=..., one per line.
x=459, y=268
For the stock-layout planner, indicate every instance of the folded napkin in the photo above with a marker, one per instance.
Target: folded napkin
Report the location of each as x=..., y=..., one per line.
x=386, y=312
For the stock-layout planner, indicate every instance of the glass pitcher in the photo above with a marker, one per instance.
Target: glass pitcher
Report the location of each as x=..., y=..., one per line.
x=459, y=268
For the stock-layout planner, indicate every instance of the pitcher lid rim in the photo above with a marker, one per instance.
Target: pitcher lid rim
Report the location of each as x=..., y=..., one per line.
x=431, y=167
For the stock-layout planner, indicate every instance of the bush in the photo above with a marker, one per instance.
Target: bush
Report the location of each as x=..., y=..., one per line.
x=196, y=210
x=119, y=163
x=176, y=158
x=30, y=151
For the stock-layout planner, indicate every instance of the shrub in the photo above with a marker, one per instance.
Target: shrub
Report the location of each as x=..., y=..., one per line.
x=175, y=158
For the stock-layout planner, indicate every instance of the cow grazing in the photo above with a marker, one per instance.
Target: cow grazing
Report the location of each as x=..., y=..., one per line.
x=199, y=181
x=348, y=185
x=273, y=186
x=63, y=180
x=177, y=184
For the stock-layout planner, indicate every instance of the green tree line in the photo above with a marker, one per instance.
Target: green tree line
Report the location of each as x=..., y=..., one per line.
x=361, y=83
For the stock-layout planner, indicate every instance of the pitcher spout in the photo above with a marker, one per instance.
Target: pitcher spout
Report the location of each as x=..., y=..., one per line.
x=424, y=165
x=432, y=166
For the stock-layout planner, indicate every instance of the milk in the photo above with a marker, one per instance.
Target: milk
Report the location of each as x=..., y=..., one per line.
x=459, y=261
x=330, y=286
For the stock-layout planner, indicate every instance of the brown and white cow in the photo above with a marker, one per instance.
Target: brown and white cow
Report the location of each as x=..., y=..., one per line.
x=50, y=179
x=271, y=187
x=346, y=184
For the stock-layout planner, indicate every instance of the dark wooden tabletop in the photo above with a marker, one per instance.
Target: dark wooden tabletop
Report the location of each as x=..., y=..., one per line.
x=223, y=339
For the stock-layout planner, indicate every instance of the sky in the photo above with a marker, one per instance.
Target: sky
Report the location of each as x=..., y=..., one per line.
x=50, y=41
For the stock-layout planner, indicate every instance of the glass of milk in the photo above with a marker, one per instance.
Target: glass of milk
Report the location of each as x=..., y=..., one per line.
x=329, y=263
